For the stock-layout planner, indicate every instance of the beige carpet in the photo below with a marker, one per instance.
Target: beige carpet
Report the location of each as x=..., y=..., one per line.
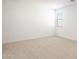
x=43, y=48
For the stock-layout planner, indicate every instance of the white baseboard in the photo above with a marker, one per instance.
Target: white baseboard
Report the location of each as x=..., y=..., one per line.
x=65, y=38
x=25, y=38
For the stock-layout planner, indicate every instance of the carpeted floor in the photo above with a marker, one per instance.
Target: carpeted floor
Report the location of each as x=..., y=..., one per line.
x=43, y=48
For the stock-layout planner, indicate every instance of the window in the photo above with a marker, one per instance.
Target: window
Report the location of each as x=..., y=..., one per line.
x=59, y=18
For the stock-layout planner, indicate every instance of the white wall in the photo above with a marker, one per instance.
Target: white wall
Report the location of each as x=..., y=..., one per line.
x=70, y=23
x=26, y=19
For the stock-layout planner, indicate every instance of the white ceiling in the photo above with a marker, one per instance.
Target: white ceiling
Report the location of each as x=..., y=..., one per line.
x=54, y=3
x=59, y=3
